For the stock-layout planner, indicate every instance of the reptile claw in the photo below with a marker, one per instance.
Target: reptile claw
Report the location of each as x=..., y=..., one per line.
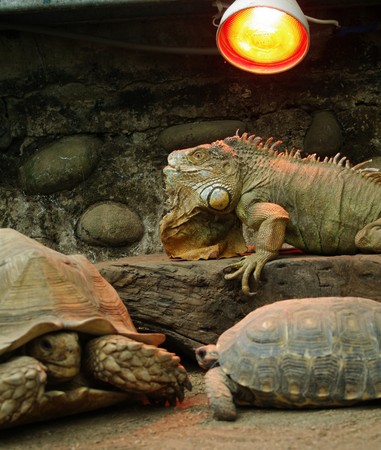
x=244, y=268
x=247, y=292
x=241, y=271
x=237, y=267
x=233, y=275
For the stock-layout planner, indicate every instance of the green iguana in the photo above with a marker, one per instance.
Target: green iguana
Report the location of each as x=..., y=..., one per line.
x=321, y=207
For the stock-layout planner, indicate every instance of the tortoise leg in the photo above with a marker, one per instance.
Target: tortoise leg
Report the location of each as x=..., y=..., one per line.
x=22, y=385
x=136, y=367
x=219, y=392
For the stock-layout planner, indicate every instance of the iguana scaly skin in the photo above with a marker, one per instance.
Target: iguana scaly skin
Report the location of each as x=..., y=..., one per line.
x=322, y=207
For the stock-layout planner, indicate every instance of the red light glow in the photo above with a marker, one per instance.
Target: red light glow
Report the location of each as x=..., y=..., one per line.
x=263, y=40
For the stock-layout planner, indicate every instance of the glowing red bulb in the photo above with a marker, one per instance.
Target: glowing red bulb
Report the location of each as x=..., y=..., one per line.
x=263, y=40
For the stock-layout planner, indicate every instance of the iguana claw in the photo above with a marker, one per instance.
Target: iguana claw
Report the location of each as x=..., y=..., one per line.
x=247, y=266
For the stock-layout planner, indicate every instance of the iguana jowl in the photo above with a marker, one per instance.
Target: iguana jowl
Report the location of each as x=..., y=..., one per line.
x=321, y=207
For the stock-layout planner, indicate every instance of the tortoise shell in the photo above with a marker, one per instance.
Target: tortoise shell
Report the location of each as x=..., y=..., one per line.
x=307, y=352
x=43, y=291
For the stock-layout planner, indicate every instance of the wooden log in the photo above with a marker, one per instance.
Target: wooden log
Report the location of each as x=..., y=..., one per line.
x=192, y=303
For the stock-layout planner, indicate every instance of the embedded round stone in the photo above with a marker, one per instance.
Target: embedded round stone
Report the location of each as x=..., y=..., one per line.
x=324, y=136
x=109, y=224
x=60, y=165
x=195, y=133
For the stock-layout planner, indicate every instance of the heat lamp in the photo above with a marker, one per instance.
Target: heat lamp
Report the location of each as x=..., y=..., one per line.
x=263, y=36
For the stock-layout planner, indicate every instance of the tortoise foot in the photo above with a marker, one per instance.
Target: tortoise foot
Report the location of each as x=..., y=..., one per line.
x=222, y=409
x=137, y=367
x=22, y=385
x=219, y=394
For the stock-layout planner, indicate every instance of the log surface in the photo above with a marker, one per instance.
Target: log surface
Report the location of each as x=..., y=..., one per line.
x=192, y=303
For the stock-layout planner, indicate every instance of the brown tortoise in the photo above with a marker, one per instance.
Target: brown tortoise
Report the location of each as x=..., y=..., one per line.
x=67, y=342
x=312, y=352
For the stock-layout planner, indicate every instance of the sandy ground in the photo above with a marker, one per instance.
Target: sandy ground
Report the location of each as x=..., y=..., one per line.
x=190, y=425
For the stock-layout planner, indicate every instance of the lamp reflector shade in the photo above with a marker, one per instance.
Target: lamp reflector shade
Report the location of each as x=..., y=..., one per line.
x=263, y=36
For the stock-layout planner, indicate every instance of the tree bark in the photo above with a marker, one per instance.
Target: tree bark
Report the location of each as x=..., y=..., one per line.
x=192, y=303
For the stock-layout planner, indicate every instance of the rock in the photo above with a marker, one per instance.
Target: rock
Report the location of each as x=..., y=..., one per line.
x=195, y=133
x=286, y=125
x=109, y=224
x=60, y=165
x=324, y=136
x=362, y=127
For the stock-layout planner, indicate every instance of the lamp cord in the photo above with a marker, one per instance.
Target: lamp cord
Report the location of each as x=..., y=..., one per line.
x=323, y=21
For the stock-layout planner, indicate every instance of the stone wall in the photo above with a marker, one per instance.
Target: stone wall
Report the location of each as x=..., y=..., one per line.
x=85, y=129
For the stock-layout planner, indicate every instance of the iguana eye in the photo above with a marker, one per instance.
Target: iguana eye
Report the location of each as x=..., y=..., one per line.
x=199, y=155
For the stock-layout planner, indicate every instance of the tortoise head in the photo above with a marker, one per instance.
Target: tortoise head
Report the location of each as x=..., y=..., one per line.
x=207, y=356
x=60, y=352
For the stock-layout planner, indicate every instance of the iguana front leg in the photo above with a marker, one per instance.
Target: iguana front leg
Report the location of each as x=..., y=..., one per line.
x=270, y=220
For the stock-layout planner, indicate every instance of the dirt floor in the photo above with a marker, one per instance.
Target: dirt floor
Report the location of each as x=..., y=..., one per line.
x=190, y=425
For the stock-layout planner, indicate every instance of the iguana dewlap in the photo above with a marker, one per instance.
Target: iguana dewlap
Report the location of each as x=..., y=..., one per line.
x=321, y=207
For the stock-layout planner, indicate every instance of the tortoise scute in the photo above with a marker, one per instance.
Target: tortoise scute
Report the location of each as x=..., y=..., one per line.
x=293, y=369
x=353, y=380
x=267, y=330
x=309, y=331
x=374, y=373
x=357, y=334
x=324, y=378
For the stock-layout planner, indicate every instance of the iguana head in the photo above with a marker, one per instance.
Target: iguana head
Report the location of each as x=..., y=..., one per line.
x=211, y=171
